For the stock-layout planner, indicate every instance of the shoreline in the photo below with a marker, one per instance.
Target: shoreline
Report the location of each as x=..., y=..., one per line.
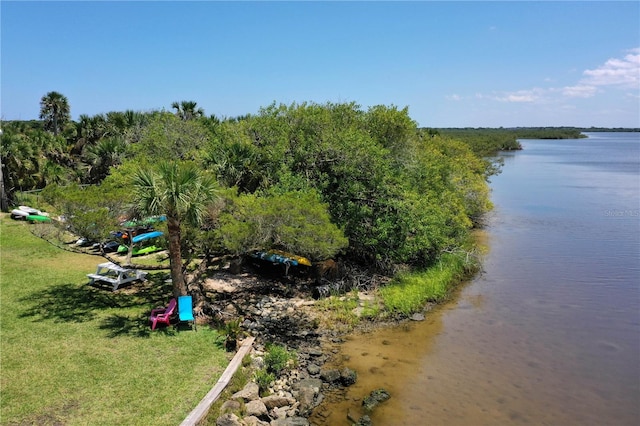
x=272, y=319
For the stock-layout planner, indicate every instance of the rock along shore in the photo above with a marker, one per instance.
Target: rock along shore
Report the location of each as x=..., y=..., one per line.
x=280, y=311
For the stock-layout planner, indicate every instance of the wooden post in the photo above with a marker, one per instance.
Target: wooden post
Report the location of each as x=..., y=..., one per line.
x=201, y=410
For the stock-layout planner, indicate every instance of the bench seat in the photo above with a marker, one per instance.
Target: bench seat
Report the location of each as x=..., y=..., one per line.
x=98, y=277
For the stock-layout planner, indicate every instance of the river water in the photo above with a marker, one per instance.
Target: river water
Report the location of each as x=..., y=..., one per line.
x=549, y=333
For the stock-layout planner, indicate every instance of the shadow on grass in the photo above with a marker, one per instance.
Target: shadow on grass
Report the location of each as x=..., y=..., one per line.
x=77, y=304
x=122, y=325
x=219, y=342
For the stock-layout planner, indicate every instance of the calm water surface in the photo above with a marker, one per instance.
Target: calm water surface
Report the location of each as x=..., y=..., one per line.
x=549, y=334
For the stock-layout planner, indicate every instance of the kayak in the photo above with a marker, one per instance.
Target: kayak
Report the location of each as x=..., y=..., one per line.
x=29, y=210
x=38, y=218
x=145, y=250
x=139, y=251
x=83, y=242
x=19, y=214
x=146, y=236
x=23, y=212
x=300, y=259
x=279, y=256
x=137, y=237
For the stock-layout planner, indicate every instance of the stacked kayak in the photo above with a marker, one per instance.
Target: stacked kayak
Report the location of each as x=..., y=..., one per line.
x=19, y=214
x=279, y=256
x=140, y=250
x=30, y=214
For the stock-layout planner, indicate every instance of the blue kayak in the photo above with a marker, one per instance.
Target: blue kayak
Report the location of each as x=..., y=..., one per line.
x=147, y=236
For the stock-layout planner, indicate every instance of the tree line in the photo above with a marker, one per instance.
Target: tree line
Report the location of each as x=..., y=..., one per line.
x=320, y=180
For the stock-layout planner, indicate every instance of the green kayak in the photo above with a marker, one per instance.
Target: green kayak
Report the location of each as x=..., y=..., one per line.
x=139, y=251
x=37, y=218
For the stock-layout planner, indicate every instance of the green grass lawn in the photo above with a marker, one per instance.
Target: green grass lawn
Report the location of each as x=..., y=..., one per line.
x=75, y=354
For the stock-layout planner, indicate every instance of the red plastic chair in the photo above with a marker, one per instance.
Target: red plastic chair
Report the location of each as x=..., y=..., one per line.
x=162, y=315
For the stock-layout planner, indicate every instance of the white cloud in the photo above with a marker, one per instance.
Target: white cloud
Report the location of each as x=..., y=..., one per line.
x=551, y=103
x=579, y=91
x=519, y=96
x=617, y=72
x=623, y=73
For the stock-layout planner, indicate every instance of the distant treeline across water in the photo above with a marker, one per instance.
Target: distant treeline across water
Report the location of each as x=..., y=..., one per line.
x=486, y=141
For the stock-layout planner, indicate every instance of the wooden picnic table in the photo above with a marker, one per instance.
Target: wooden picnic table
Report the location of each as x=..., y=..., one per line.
x=116, y=275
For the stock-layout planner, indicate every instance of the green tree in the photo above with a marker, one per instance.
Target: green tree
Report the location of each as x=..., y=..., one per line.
x=101, y=157
x=89, y=131
x=393, y=129
x=181, y=191
x=398, y=196
x=55, y=111
x=19, y=162
x=91, y=212
x=129, y=124
x=166, y=137
x=53, y=173
x=235, y=159
x=31, y=157
x=187, y=110
x=297, y=222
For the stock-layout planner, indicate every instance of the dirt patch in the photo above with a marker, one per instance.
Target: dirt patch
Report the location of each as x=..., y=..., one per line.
x=52, y=416
x=229, y=283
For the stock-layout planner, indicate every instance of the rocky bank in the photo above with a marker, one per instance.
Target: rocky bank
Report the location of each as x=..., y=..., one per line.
x=278, y=309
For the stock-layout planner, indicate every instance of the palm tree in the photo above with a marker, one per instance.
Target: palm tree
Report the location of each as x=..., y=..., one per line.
x=91, y=130
x=187, y=110
x=55, y=111
x=181, y=192
x=238, y=164
x=102, y=156
x=19, y=158
x=51, y=172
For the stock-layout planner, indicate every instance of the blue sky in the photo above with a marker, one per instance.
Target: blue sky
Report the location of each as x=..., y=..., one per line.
x=454, y=64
